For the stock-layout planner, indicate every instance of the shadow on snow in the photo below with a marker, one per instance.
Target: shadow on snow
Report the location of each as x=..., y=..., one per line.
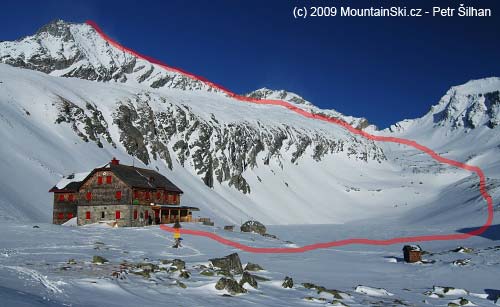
x=492, y=233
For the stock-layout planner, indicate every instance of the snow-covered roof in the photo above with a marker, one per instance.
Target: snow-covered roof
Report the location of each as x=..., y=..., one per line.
x=143, y=178
x=413, y=247
x=73, y=178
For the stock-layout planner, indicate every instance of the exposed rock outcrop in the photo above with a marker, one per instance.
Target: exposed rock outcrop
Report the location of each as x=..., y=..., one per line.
x=230, y=263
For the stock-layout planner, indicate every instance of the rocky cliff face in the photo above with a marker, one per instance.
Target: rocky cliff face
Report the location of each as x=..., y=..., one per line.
x=217, y=151
x=469, y=110
x=88, y=123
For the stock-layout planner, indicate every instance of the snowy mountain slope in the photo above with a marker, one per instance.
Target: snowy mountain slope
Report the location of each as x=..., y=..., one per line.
x=76, y=50
x=234, y=160
x=463, y=125
x=52, y=266
x=265, y=93
x=255, y=166
x=472, y=105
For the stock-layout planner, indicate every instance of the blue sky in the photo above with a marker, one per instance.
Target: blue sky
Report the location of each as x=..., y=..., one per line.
x=384, y=69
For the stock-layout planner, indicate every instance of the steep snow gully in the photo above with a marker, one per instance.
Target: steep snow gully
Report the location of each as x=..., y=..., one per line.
x=339, y=122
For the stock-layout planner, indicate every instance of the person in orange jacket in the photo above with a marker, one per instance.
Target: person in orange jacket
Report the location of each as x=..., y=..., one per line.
x=177, y=234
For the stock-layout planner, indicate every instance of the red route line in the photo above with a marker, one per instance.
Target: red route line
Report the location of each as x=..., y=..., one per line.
x=336, y=121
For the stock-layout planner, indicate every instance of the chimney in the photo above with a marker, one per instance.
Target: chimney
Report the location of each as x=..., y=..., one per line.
x=115, y=162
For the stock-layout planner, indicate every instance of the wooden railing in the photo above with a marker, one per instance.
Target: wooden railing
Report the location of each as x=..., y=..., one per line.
x=184, y=219
x=173, y=218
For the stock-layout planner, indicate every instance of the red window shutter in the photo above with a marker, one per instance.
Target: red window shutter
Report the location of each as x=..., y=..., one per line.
x=174, y=198
x=89, y=196
x=157, y=213
x=87, y=215
x=118, y=195
x=71, y=197
x=136, y=195
x=108, y=179
x=117, y=214
x=60, y=215
x=146, y=214
x=158, y=195
x=135, y=214
x=61, y=197
x=99, y=180
x=70, y=215
x=147, y=195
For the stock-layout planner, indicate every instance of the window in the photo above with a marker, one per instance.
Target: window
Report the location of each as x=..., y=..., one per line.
x=142, y=215
x=174, y=198
x=118, y=195
x=103, y=214
x=146, y=214
x=147, y=195
x=108, y=179
x=61, y=197
x=70, y=215
x=117, y=214
x=87, y=215
x=136, y=194
x=89, y=196
x=158, y=195
x=99, y=180
x=170, y=198
x=71, y=197
x=135, y=214
x=60, y=215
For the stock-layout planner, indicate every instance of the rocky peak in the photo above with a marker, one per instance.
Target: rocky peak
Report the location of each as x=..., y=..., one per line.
x=77, y=50
x=265, y=93
x=473, y=104
x=56, y=28
x=463, y=108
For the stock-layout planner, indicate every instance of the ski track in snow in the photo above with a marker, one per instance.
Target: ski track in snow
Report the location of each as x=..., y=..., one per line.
x=343, y=124
x=35, y=275
x=196, y=251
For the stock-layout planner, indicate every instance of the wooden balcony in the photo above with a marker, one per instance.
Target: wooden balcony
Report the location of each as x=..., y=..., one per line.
x=182, y=219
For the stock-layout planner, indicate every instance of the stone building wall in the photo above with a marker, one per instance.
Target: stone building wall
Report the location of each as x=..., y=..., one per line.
x=108, y=213
x=65, y=207
x=102, y=192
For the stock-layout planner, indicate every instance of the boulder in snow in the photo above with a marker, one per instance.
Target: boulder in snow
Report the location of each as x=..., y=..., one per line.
x=230, y=263
x=253, y=267
x=248, y=278
x=99, y=260
x=253, y=226
x=229, y=284
x=287, y=283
